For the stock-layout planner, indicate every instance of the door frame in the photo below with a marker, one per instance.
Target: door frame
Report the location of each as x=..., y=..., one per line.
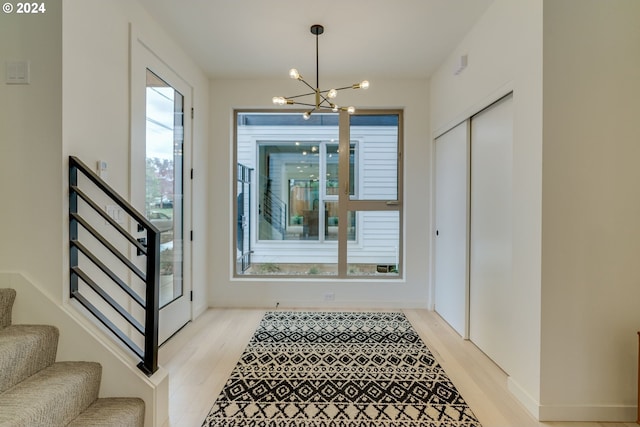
x=179, y=312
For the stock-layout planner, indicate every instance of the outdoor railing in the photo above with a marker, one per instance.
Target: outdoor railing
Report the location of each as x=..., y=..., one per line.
x=275, y=212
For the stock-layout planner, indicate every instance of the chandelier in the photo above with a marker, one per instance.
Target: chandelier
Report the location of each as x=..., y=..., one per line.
x=323, y=98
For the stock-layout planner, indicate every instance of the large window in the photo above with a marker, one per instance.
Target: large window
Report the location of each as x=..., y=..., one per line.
x=326, y=195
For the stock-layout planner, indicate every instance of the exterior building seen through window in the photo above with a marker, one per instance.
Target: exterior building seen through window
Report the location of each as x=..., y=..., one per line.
x=304, y=191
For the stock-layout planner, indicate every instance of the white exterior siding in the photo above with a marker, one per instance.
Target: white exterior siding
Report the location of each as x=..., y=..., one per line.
x=377, y=236
x=377, y=162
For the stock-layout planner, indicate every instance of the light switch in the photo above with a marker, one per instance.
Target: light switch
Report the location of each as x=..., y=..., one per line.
x=116, y=213
x=17, y=73
x=102, y=169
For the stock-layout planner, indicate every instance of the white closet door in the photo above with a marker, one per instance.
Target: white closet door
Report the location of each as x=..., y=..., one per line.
x=451, y=227
x=491, y=234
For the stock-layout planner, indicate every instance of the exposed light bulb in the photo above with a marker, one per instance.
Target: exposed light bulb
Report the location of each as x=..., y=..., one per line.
x=323, y=98
x=351, y=109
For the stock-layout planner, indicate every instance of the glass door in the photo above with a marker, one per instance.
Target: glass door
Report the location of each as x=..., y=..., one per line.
x=163, y=180
x=160, y=186
x=164, y=191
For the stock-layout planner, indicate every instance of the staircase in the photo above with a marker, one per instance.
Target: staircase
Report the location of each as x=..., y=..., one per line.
x=37, y=391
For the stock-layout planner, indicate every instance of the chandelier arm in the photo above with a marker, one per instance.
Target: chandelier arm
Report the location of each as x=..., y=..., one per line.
x=323, y=92
x=305, y=104
x=346, y=87
x=324, y=107
x=299, y=96
x=324, y=99
x=310, y=87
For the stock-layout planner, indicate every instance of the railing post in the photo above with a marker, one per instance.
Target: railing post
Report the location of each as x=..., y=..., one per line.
x=73, y=225
x=150, y=363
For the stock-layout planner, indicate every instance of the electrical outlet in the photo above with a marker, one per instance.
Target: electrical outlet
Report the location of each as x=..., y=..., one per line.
x=329, y=296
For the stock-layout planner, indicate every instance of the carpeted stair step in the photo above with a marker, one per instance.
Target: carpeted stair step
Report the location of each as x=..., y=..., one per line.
x=112, y=412
x=52, y=397
x=36, y=392
x=25, y=350
x=7, y=297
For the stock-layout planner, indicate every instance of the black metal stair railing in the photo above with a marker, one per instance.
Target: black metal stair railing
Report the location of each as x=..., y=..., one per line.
x=150, y=248
x=274, y=210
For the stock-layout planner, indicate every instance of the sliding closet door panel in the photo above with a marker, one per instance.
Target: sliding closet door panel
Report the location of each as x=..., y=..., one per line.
x=451, y=226
x=490, y=232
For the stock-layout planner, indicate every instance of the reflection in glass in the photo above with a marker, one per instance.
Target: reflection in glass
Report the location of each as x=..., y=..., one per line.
x=164, y=194
x=243, y=211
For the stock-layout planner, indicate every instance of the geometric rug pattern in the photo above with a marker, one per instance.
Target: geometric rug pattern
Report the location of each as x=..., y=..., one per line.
x=338, y=369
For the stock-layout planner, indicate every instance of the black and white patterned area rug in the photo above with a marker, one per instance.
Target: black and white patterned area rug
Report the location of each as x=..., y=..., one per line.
x=336, y=369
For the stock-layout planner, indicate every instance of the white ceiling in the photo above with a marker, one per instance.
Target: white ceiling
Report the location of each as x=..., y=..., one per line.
x=265, y=38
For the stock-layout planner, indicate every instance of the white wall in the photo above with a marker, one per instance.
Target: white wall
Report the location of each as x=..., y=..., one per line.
x=95, y=110
x=505, y=53
x=576, y=231
x=96, y=104
x=83, y=112
x=411, y=292
x=30, y=148
x=591, y=209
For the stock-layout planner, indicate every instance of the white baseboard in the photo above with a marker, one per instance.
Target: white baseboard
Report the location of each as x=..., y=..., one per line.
x=592, y=413
x=572, y=413
x=530, y=404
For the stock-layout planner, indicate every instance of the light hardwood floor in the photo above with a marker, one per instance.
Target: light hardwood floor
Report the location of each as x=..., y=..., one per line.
x=201, y=357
